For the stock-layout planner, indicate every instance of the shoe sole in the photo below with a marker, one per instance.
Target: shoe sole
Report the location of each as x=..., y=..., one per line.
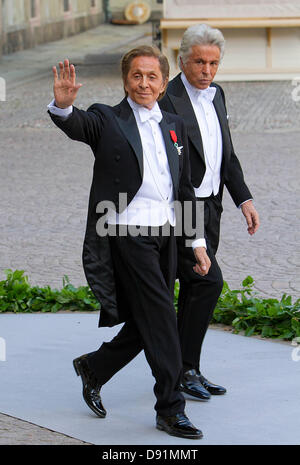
x=217, y=393
x=76, y=368
x=184, y=436
x=194, y=396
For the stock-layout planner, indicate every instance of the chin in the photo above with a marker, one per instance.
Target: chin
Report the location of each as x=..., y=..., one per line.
x=145, y=101
x=204, y=85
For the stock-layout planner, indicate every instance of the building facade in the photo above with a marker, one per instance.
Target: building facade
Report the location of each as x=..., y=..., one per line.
x=26, y=23
x=262, y=36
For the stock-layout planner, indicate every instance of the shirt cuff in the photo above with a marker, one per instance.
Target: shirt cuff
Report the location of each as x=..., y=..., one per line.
x=244, y=202
x=199, y=243
x=62, y=112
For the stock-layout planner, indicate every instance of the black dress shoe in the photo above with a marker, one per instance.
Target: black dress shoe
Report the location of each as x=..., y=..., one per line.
x=192, y=385
x=212, y=388
x=91, y=388
x=178, y=425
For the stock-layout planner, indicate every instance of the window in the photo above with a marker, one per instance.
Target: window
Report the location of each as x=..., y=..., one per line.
x=93, y=3
x=33, y=9
x=66, y=5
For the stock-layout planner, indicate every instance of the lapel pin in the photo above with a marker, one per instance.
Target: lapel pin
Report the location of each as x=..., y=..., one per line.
x=174, y=139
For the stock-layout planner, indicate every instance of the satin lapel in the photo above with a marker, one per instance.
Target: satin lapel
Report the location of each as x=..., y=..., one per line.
x=128, y=125
x=220, y=109
x=184, y=108
x=172, y=153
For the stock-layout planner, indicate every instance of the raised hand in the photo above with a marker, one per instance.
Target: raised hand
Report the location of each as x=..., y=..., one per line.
x=65, y=87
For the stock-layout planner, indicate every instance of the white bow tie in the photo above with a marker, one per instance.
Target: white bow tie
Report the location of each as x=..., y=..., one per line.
x=146, y=114
x=208, y=94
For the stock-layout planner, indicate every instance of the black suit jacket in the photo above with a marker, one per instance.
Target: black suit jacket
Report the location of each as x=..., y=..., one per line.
x=177, y=101
x=113, y=136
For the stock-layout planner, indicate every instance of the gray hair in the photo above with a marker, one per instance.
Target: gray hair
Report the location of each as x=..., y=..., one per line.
x=200, y=34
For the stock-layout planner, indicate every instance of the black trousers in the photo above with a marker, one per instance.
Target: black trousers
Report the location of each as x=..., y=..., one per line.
x=198, y=295
x=146, y=270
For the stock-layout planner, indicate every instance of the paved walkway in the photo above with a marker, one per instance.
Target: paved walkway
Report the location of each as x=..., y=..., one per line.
x=24, y=66
x=45, y=177
x=14, y=431
x=38, y=384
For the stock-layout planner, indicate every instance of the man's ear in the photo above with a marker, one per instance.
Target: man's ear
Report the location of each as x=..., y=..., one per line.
x=165, y=83
x=164, y=88
x=124, y=85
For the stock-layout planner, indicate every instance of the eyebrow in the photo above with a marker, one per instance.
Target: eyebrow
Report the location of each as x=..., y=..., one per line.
x=206, y=61
x=141, y=71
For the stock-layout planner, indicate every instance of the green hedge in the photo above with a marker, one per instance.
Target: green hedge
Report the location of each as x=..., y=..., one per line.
x=17, y=295
x=245, y=311
x=242, y=309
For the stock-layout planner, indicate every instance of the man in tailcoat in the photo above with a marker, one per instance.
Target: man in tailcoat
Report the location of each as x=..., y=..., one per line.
x=141, y=169
x=194, y=96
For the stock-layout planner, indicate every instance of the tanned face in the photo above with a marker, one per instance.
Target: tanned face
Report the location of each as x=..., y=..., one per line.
x=144, y=82
x=202, y=65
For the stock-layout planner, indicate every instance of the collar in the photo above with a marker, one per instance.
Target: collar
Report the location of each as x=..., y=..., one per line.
x=144, y=113
x=208, y=93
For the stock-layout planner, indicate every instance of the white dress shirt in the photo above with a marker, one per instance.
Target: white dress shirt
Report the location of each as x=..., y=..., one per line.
x=153, y=203
x=202, y=102
x=62, y=112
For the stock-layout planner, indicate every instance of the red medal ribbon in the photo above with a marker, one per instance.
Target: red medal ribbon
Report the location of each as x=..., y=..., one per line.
x=173, y=136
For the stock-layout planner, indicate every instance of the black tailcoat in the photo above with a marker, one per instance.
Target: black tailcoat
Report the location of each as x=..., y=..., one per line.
x=177, y=101
x=199, y=294
x=113, y=136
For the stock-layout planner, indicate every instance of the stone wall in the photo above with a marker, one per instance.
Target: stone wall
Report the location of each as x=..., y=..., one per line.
x=181, y=9
x=26, y=23
x=0, y=28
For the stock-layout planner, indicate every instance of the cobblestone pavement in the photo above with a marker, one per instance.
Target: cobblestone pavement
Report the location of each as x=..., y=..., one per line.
x=45, y=179
x=17, y=432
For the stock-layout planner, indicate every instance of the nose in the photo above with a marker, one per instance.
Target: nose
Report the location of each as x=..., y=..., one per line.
x=144, y=82
x=206, y=68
